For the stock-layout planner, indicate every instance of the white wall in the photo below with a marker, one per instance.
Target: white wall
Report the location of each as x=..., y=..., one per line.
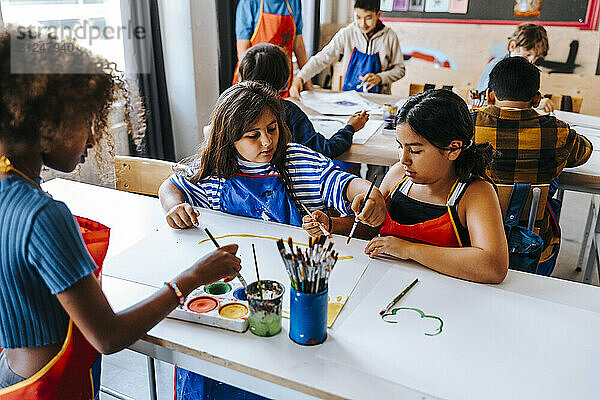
x=189, y=32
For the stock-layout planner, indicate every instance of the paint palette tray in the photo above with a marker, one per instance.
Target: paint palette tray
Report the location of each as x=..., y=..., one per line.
x=220, y=304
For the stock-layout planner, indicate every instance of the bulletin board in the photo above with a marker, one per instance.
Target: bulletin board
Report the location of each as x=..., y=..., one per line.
x=574, y=13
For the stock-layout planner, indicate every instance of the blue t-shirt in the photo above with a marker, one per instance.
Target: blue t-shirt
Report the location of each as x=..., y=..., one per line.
x=485, y=75
x=248, y=12
x=42, y=253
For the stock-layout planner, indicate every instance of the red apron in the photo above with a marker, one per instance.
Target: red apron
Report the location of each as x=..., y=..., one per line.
x=279, y=30
x=74, y=373
x=439, y=231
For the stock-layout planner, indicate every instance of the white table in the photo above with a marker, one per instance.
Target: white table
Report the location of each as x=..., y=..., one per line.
x=276, y=367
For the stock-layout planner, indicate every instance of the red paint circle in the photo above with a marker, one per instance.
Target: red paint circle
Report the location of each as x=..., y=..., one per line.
x=203, y=304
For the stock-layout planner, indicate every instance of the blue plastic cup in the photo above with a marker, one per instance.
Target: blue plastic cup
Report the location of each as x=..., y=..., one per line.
x=308, y=317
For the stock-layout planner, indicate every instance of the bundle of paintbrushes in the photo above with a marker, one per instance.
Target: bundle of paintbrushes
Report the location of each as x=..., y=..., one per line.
x=309, y=269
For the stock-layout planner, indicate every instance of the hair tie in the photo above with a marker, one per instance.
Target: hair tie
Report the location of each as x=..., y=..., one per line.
x=467, y=147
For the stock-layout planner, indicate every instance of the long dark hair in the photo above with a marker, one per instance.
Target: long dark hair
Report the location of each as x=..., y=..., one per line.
x=441, y=116
x=237, y=108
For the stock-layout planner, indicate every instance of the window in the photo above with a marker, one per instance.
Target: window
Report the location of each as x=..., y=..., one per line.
x=96, y=24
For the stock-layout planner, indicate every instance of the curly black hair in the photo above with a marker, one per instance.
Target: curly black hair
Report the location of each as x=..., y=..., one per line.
x=73, y=86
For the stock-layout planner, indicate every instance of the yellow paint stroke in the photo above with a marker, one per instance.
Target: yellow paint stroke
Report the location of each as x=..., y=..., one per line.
x=247, y=235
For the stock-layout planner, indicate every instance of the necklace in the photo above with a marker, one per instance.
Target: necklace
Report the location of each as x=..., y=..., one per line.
x=6, y=166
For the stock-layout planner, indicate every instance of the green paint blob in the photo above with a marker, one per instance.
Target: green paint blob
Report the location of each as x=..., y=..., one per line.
x=421, y=313
x=218, y=288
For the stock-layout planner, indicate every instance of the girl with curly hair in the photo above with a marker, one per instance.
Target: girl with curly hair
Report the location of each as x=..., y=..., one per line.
x=54, y=317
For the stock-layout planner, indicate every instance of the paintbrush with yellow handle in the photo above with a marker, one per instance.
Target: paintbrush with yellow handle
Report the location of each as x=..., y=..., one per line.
x=312, y=216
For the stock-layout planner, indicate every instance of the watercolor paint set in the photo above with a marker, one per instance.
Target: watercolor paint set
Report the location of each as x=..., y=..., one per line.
x=223, y=305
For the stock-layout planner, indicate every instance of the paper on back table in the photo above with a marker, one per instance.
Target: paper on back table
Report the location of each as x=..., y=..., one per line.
x=495, y=344
x=328, y=126
x=338, y=103
x=160, y=256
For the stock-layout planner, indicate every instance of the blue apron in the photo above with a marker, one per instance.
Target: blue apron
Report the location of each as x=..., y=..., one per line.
x=361, y=64
x=256, y=196
x=259, y=196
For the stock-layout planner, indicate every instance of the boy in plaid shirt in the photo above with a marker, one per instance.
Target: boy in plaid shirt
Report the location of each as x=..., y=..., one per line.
x=533, y=148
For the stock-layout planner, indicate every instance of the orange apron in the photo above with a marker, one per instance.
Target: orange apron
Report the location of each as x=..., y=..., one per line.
x=74, y=373
x=439, y=231
x=279, y=30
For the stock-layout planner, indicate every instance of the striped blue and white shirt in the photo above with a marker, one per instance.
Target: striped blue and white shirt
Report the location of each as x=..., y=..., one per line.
x=316, y=181
x=42, y=253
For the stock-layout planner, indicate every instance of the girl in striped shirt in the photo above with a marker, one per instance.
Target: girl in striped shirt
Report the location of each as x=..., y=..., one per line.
x=248, y=167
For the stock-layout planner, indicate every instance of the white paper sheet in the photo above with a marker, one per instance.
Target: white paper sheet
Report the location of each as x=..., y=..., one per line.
x=494, y=344
x=328, y=126
x=160, y=256
x=437, y=5
x=386, y=5
x=338, y=103
x=588, y=121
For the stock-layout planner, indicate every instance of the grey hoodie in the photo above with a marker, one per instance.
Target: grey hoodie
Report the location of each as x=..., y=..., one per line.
x=385, y=42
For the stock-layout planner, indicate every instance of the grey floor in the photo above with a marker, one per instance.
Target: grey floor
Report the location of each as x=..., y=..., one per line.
x=125, y=372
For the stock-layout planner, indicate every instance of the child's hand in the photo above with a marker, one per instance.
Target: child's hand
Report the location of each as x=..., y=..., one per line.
x=370, y=80
x=374, y=210
x=183, y=216
x=358, y=120
x=545, y=105
x=390, y=245
x=220, y=264
x=296, y=87
x=311, y=225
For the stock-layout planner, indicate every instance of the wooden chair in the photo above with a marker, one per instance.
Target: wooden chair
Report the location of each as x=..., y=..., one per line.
x=534, y=208
x=565, y=103
x=415, y=88
x=141, y=175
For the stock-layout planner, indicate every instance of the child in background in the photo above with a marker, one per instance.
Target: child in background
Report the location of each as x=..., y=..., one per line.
x=371, y=53
x=267, y=63
x=529, y=41
x=248, y=167
x=270, y=21
x=46, y=273
x=533, y=148
x=442, y=209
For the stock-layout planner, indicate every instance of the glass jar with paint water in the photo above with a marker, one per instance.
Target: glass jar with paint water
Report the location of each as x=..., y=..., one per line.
x=389, y=116
x=264, y=299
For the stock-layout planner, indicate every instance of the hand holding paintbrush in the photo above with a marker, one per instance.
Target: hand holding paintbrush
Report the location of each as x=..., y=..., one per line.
x=362, y=206
x=212, y=238
x=312, y=218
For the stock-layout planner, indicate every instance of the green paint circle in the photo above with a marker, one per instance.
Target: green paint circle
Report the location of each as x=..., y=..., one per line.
x=217, y=288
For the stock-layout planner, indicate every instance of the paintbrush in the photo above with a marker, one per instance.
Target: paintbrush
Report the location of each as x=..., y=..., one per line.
x=361, y=209
x=239, y=276
x=397, y=298
x=312, y=216
x=257, y=275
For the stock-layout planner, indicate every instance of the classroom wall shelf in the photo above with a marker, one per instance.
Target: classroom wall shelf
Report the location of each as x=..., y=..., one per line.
x=582, y=14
